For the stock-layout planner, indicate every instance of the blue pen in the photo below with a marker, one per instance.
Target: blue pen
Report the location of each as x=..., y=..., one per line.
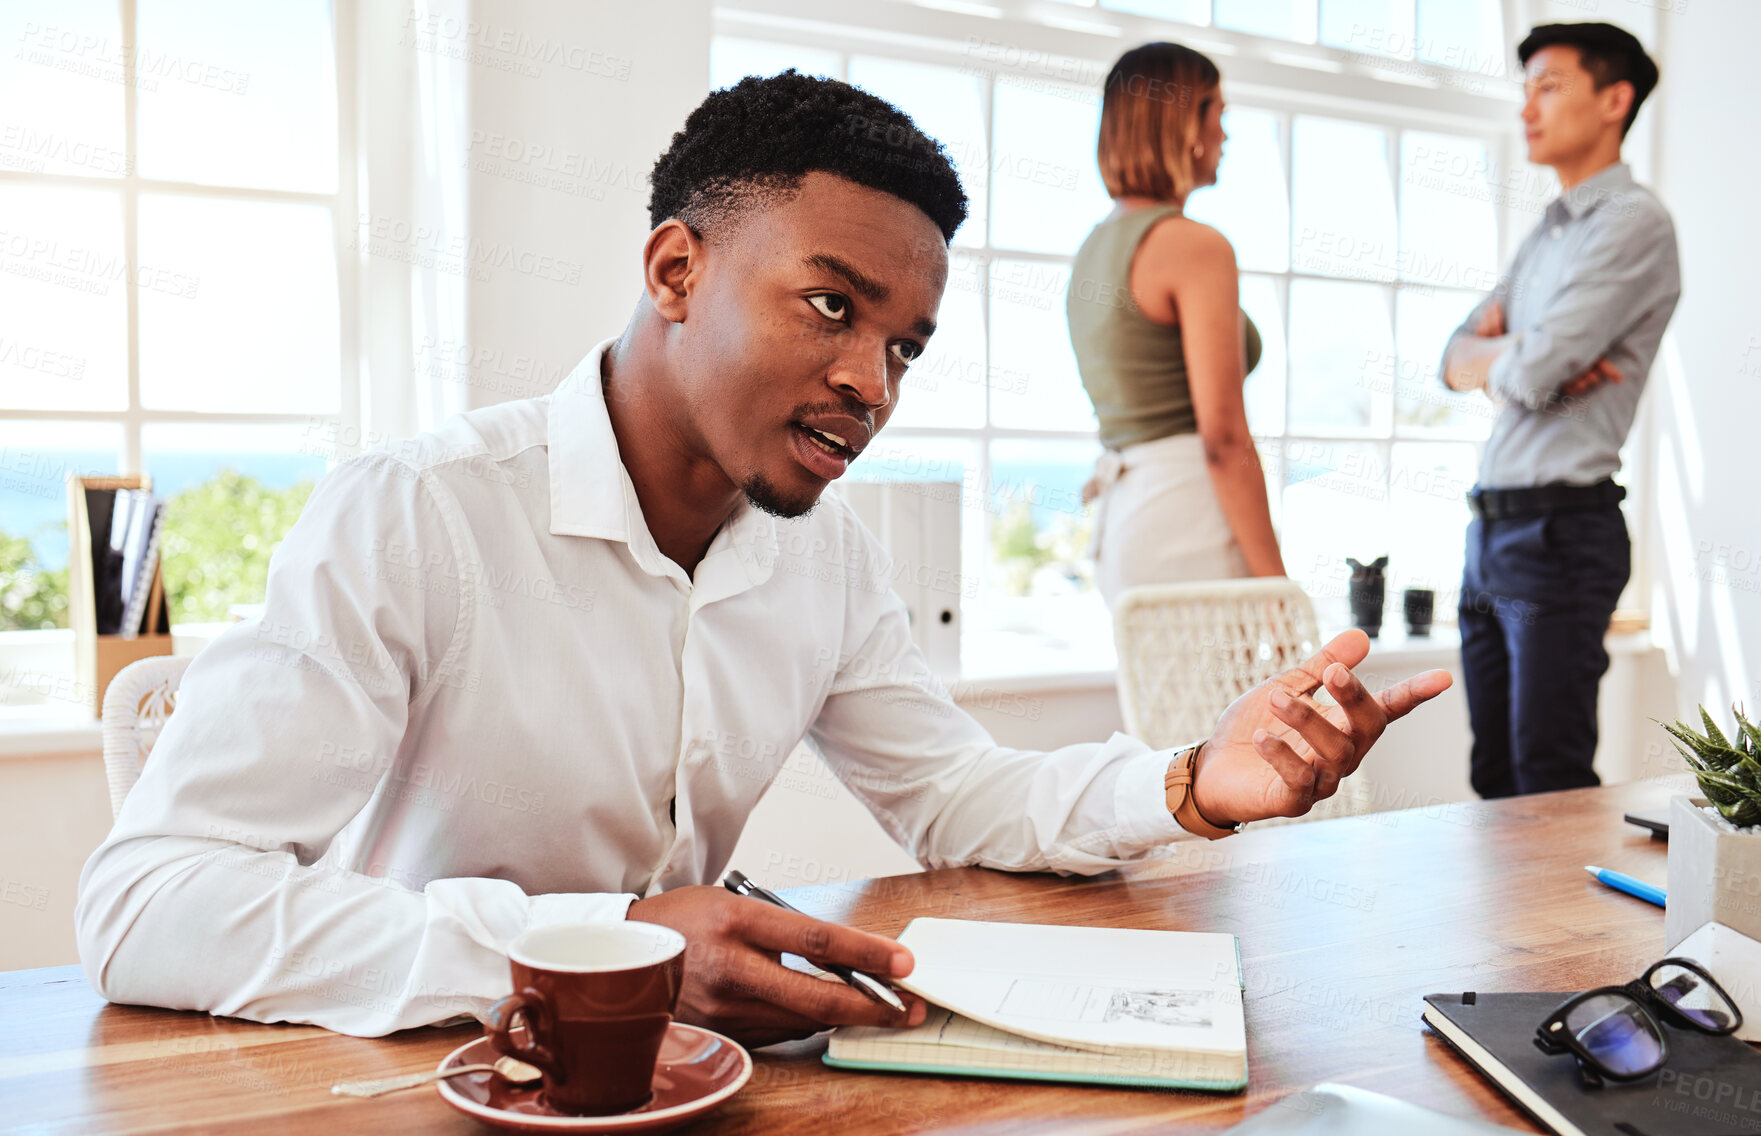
x=1620, y=881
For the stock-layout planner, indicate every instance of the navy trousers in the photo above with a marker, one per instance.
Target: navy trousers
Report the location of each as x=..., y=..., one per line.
x=1537, y=594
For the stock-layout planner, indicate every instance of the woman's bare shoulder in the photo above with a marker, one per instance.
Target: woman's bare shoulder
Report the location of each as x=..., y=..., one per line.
x=1178, y=239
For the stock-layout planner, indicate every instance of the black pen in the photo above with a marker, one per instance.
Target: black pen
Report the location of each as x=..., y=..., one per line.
x=868, y=984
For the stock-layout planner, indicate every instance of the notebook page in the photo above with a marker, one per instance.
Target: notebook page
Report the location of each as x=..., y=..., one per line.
x=1097, y=988
x=945, y=1027
x=947, y=1039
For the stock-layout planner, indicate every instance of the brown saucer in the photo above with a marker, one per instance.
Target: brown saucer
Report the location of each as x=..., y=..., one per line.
x=697, y=1070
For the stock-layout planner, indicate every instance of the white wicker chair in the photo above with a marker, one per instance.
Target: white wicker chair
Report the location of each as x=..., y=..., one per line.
x=1186, y=651
x=136, y=704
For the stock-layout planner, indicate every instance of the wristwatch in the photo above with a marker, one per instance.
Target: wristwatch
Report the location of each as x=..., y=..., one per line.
x=1178, y=782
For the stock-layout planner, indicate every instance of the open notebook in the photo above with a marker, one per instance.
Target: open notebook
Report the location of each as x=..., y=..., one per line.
x=1097, y=1004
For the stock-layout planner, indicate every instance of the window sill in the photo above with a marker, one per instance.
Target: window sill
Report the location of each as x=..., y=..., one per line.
x=1010, y=668
x=48, y=731
x=40, y=664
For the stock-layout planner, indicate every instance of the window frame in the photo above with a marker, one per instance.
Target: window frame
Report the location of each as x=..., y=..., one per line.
x=1283, y=77
x=343, y=206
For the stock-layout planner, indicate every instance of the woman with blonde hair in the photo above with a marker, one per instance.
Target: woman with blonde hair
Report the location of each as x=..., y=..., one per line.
x=1162, y=344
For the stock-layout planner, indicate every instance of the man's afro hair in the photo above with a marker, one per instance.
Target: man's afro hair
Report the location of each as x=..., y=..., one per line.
x=759, y=137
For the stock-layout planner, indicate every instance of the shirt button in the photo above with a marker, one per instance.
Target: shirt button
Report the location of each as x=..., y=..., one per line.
x=1556, y=232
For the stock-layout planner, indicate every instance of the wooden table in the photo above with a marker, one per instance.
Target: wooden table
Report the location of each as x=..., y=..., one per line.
x=1344, y=924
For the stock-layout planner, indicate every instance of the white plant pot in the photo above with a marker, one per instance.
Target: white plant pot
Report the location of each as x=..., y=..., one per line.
x=1714, y=875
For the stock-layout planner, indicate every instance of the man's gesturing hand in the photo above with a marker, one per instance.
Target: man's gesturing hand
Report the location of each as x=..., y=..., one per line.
x=1276, y=752
x=735, y=982
x=1491, y=322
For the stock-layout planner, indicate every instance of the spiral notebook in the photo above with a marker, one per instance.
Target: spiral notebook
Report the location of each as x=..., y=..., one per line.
x=1101, y=1005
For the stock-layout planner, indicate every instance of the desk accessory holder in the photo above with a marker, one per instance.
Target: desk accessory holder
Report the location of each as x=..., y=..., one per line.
x=97, y=657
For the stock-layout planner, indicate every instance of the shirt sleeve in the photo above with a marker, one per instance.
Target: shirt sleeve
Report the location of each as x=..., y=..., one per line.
x=951, y=796
x=1626, y=268
x=1466, y=328
x=224, y=885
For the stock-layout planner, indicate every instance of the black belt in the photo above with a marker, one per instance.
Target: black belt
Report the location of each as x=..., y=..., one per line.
x=1498, y=504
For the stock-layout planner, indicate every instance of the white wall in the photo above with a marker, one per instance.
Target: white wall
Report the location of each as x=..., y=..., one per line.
x=558, y=168
x=504, y=189
x=1706, y=548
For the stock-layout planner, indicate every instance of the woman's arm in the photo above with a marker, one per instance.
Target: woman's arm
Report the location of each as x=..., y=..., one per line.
x=1206, y=290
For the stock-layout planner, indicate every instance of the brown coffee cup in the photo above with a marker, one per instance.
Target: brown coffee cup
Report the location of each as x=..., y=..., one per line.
x=597, y=999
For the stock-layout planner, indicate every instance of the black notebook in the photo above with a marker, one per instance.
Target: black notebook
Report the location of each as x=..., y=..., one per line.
x=1711, y=1085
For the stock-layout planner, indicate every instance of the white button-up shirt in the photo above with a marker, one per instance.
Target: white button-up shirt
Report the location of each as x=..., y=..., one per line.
x=480, y=699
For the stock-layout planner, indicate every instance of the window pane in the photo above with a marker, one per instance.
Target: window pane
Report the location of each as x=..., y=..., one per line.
x=946, y=386
x=732, y=59
x=1380, y=27
x=1271, y=453
x=1185, y=11
x=238, y=306
x=1448, y=229
x=61, y=77
x=1464, y=34
x=1428, y=520
x=1337, y=333
x=1047, y=193
x=1281, y=19
x=63, y=299
x=1335, y=506
x=231, y=494
x=1423, y=321
x=1249, y=204
x=949, y=107
x=1264, y=392
x=238, y=94
x=1034, y=384
x=36, y=459
x=1039, y=526
x=1344, y=199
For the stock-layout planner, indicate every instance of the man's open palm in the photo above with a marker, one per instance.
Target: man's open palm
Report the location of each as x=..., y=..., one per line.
x=1276, y=751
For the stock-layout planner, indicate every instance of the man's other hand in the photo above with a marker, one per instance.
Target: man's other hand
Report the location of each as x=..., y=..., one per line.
x=1491, y=322
x=1599, y=372
x=1276, y=751
x=735, y=982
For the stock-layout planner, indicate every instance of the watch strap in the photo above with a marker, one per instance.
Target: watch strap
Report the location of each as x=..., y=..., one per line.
x=1178, y=783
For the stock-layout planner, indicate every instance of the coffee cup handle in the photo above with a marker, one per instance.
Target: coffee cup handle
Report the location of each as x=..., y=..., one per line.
x=499, y=1022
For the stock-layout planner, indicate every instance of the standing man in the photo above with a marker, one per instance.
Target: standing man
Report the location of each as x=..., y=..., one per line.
x=1562, y=346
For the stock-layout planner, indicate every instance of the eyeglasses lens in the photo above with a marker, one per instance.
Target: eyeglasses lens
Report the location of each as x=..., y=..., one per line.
x=1692, y=997
x=1616, y=1031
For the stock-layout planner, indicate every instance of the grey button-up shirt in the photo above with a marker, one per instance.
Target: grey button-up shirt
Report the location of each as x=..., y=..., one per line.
x=1597, y=277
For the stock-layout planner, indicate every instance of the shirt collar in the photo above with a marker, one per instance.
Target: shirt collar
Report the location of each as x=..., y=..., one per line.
x=1592, y=191
x=591, y=493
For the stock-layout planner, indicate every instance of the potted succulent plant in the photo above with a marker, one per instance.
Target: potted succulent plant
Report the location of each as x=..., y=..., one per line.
x=1715, y=840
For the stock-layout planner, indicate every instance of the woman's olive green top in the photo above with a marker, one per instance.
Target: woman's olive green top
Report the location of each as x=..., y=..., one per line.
x=1133, y=368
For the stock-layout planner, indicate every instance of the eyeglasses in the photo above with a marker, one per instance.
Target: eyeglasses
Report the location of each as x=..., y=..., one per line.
x=1613, y=1032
